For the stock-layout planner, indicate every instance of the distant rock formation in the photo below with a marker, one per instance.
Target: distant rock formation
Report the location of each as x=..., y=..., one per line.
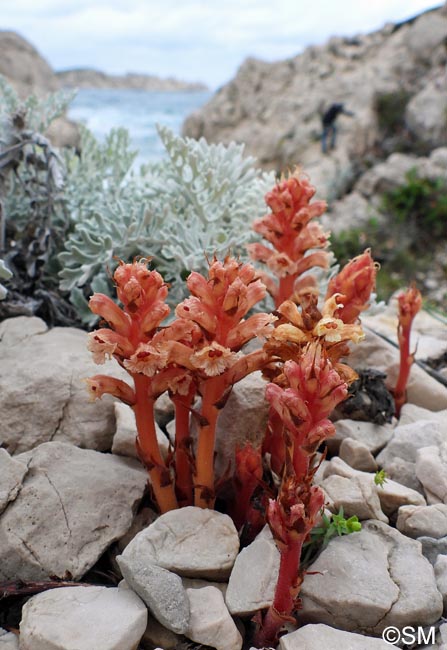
x=394, y=80
x=23, y=66
x=87, y=78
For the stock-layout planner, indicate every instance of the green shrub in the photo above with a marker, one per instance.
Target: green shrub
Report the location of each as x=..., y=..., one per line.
x=79, y=212
x=420, y=207
x=390, y=111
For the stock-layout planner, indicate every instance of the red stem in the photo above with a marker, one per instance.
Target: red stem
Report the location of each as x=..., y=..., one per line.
x=183, y=460
x=204, y=496
x=147, y=445
x=406, y=361
x=286, y=593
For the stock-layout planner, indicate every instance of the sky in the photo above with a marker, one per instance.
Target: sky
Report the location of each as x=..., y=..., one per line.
x=193, y=40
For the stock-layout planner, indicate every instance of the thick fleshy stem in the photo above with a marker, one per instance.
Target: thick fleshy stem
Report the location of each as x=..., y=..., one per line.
x=287, y=589
x=204, y=495
x=183, y=452
x=147, y=445
x=409, y=304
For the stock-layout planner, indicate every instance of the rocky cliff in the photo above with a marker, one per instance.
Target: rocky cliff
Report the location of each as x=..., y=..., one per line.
x=87, y=78
x=394, y=80
x=24, y=67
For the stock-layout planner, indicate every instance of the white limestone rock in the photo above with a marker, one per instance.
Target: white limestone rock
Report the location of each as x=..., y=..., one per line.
x=441, y=577
x=412, y=413
x=373, y=436
x=8, y=640
x=398, y=458
x=369, y=580
x=391, y=494
x=12, y=473
x=83, y=618
x=160, y=589
x=192, y=542
x=417, y=521
x=72, y=504
x=357, y=455
x=319, y=636
x=42, y=393
x=431, y=470
x=254, y=576
x=210, y=622
x=356, y=495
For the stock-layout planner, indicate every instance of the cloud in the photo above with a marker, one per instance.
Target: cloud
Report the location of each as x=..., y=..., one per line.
x=194, y=39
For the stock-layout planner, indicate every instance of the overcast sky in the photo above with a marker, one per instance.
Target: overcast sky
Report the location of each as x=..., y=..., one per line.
x=203, y=40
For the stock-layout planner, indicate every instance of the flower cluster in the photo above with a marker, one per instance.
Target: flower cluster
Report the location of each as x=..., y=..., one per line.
x=198, y=353
x=409, y=304
x=297, y=241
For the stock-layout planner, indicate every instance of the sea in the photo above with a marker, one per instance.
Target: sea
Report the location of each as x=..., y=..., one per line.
x=138, y=111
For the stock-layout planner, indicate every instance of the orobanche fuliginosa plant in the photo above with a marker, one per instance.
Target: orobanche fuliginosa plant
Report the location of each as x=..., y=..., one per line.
x=202, y=353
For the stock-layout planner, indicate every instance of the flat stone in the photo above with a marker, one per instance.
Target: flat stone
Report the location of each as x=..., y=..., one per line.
x=210, y=621
x=398, y=458
x=83, y=618
x=8, y=640
x=72, y=504
x=373, y=436
x=431, y=470
x=319, y=637
x=160, y=589
x=126, y=433
x=432, y=548
x=356, y=495
x=391, y=495
x=418, y=521
x=412, y=413
x=197, y=583
x=366, y=581
x=50, y=401
x=11, y=476
x=192, y=542
x=357, y=455
x=441, y=577
x=254, y=576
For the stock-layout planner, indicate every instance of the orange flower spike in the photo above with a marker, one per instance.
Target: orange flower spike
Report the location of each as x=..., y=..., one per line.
x=292, y=234
x=247, y=476
x=409, y=304
x=218, y=306
x=138, y=288
x=130, y=341
x=355, y=282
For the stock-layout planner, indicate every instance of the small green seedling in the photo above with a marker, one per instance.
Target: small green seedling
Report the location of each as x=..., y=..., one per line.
x=380, y=477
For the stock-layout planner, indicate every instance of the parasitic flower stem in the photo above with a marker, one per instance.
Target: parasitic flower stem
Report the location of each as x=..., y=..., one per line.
x=204, y=496
x=183, y=469
x=409, y=304
x=147, y=445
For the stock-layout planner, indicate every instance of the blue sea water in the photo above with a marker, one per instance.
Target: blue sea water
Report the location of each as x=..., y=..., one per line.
x=138, y=111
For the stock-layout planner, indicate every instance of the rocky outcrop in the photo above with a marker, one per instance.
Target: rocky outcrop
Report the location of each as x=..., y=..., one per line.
x=275, y=108
x=88, y=78
x=24, y=67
